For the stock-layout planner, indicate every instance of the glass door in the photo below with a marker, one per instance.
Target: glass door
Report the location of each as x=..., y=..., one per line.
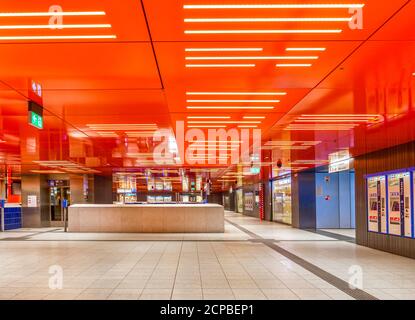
x=57, y=195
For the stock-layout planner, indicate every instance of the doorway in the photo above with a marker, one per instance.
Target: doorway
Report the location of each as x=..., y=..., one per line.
x=58, y=192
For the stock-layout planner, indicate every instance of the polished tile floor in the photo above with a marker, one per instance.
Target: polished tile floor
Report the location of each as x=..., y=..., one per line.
x=51, y=264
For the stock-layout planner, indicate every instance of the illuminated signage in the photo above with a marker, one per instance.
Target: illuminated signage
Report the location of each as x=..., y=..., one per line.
x=339, y=161
x=35, y=115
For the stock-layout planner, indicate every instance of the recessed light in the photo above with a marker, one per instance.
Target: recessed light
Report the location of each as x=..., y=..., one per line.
x=230, y=107
x=221, y=49
x=208, y=117
x=6, y=38
x=48, y=26
x=255, y=58
x=210, y=20
x=220, y=65
x=49, y=14
x=232, y=101
x=236, y=93
x=282, y=65
x=274, y=6
x=224, y=122
x=267, y=31
x=305, y=49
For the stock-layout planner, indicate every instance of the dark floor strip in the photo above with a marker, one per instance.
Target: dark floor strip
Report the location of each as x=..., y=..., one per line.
x=324, y=275
x=329, y=234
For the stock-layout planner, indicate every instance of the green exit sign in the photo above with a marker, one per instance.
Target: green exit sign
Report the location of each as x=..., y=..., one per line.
x=35, y=120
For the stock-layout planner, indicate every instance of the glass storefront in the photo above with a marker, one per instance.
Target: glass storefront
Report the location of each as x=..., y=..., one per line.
x=281, y=200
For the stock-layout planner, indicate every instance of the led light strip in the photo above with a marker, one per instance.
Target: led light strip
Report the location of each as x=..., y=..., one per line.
x=49, y=14
x=294, y=65
x=220, y=65
x=305, y=49
x=299, y=121
x=48, y=26
x=224, y=122
x=221, y=49
x=274, y=6
x=254, y=117
x=231, y=101
x=230, y=107
x=198, y=20
x=255, y=58
x=236, y=93
x=57, y=37
x=208, y=117
x=268, y=31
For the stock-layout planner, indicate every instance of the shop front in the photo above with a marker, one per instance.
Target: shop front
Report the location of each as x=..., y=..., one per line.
x=281, y=200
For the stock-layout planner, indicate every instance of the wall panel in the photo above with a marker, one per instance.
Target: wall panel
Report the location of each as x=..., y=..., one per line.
x=402, y=156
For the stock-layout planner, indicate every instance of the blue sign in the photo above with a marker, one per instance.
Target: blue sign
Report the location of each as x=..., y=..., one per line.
x=2, y=203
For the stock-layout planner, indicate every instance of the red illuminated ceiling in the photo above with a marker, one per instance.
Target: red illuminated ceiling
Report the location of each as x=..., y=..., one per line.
x=301, y=71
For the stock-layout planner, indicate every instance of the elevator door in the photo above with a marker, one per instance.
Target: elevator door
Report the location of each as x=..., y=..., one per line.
x=57, y=195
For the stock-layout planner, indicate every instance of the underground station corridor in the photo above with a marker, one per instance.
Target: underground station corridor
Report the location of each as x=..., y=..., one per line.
x=187, y=150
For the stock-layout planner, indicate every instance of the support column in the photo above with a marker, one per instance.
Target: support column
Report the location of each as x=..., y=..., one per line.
x=38, y=215
x=103, y=189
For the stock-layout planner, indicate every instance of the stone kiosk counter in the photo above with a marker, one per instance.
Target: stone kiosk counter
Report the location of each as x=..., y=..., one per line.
x=147, y=218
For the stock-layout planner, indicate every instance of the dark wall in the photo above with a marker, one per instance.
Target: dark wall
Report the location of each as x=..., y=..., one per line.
x=103, y=189
x=303, y=192
x=215, y=198
x=229, y=200
x=399, y=157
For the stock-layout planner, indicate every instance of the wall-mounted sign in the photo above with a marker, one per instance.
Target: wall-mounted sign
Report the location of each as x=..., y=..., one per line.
x=35, y=92
x=339, y=161
x=376, y=197
x=35, y=115
x=399, y=204
x=32, y=201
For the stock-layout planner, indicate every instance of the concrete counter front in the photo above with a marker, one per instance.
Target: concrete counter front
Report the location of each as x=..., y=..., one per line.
x=146, y=218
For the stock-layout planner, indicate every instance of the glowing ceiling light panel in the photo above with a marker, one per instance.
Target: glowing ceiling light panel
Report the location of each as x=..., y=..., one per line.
x=75, y=37
x=220, y=65
x=255, y=58
x=236, y=93
x=266, y=31
x=275, y=6
x=208, y=117
x=224, y=122
x=47, y=26
x=293, y=65
x=230, y=107
x=213, y=20
x=305, y=49
x=50, y=14
x=232, y=101
x=221, y=49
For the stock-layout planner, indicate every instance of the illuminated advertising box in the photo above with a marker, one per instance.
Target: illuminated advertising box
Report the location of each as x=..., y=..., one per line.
x=399, y=204
x=376, y=207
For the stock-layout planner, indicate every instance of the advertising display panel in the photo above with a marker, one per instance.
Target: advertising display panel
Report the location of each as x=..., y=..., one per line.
x=376, y=207
x=399, y=204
